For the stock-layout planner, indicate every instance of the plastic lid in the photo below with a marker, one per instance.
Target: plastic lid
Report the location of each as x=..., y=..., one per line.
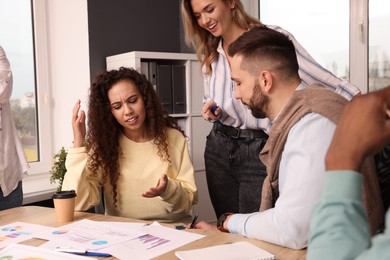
x=65, y=194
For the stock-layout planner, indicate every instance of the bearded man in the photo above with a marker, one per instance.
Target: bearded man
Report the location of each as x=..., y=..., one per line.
x=265, y=69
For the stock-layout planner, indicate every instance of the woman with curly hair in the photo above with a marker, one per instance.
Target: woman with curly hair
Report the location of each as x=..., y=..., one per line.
x=235, y=174
x=130, y=145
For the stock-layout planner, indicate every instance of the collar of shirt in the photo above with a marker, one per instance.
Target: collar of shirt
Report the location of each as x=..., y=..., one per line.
x=300, y=87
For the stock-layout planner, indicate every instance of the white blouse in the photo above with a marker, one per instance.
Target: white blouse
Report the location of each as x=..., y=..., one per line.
x=13, y=163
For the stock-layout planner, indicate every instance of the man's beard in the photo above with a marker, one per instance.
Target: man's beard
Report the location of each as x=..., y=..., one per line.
x=258, y=104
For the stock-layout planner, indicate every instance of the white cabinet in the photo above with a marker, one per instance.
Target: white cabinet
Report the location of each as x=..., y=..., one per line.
x=191, y=120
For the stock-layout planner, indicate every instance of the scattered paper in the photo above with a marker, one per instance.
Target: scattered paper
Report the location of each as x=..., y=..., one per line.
x=87, y=234
x=19, y=231
x=120, y=239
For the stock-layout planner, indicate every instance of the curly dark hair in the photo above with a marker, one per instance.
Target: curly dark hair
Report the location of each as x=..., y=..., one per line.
x=104, y=130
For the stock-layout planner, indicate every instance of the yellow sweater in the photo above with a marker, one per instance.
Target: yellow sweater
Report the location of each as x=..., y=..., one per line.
x=140, y=168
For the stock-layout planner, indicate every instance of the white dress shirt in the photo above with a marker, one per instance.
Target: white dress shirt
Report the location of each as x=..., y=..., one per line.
x=301, y=172
x=13, y=163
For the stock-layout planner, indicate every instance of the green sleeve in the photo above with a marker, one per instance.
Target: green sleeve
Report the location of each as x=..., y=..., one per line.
x=339, y=227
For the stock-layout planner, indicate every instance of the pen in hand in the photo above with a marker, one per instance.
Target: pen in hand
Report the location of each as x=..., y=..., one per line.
x=214, y=108
x=194, y=221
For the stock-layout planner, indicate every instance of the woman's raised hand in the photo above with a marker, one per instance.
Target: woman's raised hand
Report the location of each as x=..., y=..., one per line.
x=78, y=125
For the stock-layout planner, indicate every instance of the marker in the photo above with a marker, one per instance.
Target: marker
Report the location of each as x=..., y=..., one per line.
x=214, y=108
x=194, y=221
x=180, y=227
x=78, y=251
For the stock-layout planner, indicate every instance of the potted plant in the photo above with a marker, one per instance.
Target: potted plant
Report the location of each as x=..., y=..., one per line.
x=58, y=170
x=64, y=201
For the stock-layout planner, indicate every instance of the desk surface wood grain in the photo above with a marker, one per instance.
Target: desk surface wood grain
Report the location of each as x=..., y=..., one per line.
x=46, y=216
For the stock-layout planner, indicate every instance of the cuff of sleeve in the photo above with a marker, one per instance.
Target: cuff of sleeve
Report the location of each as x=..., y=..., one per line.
x=232, y=223
x=237, y=220
x=342, y=184
x=171, y=188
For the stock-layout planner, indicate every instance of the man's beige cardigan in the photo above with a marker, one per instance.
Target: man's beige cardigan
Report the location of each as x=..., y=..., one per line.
x=314, y=99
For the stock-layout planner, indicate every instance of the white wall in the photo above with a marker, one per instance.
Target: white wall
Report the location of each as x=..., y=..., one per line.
x=69, y=62
x=69, y=79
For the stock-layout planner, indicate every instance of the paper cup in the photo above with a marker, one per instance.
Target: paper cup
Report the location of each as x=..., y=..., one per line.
x=64, y=205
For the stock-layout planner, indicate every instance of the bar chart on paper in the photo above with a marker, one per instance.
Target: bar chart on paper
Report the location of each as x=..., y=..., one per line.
x=149, y=241
x=155, y=241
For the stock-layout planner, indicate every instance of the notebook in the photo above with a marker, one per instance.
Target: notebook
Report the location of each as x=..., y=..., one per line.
x=233, y=251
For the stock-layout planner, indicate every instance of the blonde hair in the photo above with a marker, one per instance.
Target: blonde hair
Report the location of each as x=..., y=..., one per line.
x=203, y=42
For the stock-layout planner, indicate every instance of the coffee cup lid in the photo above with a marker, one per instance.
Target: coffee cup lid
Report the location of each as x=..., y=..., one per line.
x=65, y=194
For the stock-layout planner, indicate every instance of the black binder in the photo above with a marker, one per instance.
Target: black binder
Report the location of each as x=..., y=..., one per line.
x=179, y=89
x=164, y=86
x=169, y=82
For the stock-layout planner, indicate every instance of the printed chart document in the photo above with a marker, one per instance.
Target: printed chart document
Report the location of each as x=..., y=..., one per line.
x=18, y=251
x=87, y=234
x=155, y=241
x=234, y=251
x=120, y=239
x=19, y=231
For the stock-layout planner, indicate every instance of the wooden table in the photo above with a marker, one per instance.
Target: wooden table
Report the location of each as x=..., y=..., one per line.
x=46, y=216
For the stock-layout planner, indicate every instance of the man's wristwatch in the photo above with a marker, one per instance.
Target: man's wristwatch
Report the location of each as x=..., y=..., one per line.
x=221, y=220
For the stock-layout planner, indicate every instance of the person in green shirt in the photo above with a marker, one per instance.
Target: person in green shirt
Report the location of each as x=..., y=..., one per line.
x=339, y=228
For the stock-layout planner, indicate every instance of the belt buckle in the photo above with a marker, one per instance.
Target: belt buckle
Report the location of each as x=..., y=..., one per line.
x=238, y=132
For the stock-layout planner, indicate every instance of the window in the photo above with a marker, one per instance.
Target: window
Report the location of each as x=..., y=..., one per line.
x=348, y=38
x=379, y=44
x=17, y=41
x=22, y=22
x=318, y=26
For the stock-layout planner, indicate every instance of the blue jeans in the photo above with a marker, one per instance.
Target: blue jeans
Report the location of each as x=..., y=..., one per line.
x=234, y=172
x=14, y=199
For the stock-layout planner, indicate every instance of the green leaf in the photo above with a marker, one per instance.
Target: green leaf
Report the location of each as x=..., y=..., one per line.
x=58, y=170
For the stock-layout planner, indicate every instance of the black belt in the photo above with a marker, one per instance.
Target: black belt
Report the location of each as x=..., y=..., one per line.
x=233, y=132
